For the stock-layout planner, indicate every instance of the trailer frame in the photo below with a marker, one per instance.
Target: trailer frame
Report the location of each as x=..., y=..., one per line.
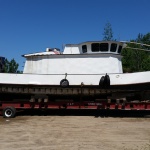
x=14, y=106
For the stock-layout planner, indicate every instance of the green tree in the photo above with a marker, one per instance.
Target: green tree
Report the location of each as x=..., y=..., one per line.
x=108, y=33
x=135, y=60
x=11, y=66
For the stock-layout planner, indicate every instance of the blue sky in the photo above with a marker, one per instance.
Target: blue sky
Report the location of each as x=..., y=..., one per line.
x=28, y=26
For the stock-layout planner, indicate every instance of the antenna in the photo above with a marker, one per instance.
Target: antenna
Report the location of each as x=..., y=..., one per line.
x=63, y=46
x=141, y=44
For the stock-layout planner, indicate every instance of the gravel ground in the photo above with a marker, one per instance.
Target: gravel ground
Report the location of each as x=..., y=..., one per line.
x=74, y=133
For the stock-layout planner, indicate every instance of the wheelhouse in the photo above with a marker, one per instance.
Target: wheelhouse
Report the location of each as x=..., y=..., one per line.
x=94, y=47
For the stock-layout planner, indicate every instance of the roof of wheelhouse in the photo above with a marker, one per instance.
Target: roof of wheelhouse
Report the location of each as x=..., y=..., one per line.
x=86, y=42
x=89, y=47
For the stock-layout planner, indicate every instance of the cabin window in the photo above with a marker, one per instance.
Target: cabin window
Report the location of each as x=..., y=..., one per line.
x=84, y=48
x=95, y=47
x=119, y=49
x=113, y=47
x=103, y=47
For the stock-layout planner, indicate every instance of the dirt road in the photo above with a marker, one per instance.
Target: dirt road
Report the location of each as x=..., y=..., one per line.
x=74, y=133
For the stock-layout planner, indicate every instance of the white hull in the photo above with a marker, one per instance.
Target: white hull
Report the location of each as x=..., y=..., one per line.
x=74, y=79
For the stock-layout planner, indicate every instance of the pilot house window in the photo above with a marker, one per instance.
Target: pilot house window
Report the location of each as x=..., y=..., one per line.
x=104, y=47
x=84, y=48
x=113, y=47
x=96, y=47
x=119, y=49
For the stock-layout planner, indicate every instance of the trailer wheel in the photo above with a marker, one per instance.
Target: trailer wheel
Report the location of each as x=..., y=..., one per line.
x=9, y=112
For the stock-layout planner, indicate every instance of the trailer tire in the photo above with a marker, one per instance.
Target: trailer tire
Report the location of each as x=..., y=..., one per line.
x=64, y=83
x=9, y=112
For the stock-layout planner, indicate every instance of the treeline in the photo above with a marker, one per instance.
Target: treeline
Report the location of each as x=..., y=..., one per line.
x=134, y=59
x=11, y=66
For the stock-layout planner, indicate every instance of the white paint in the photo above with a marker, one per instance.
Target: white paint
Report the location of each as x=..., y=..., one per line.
x=49, y=68
x=74, y=64
x=74, y=61
x=88, y=79
x=71, y=49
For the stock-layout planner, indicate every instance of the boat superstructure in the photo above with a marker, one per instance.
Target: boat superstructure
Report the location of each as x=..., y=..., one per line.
x=84, y=58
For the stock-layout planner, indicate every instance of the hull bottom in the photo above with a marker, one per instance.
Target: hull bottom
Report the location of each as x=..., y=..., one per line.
x=52, y=93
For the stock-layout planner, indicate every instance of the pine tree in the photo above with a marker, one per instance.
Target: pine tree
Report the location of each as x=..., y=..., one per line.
x=108, y=33
x=11, y=66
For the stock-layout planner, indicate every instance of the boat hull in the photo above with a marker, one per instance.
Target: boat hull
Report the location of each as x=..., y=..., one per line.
x=139, y=78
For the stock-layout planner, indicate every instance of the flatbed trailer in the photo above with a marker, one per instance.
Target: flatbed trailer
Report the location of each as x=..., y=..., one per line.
x=14, y=98
x=9, y=109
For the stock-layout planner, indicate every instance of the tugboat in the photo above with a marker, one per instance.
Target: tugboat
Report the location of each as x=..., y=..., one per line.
x=94, y=65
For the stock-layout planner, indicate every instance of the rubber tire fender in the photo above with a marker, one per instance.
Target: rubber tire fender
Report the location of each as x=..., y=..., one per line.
x=107, y=81
x=9, y=112
x=101, y=82
x=64, y=83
